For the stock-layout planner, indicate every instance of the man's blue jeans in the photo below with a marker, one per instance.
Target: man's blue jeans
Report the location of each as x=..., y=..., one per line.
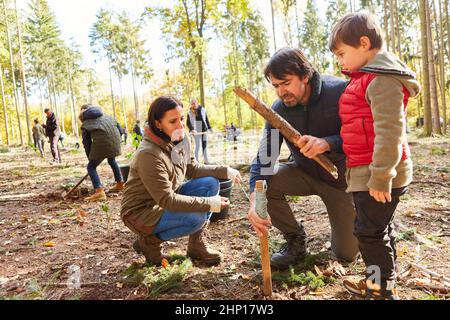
x=175, y=224
x=92, y=171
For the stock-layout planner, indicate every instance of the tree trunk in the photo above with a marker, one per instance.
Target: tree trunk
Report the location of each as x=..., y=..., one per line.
x=297, y=23
x=223, y=93
x=24, y=82
x=432, y=72
x=425, y=70
x=397, y=28
x=236, y=72
x=273, y=26
x=386, y=25
x=112, y=92
x=5, y=114
x=123, y=104
x=392, y=22
x=440, y=35
x=200, y=78
x=447, y=20
x=11, y=59
x=72, y=100
x=136, y=103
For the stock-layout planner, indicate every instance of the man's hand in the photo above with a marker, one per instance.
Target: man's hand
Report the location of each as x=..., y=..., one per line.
x=259, y=225
x=312, y=146
x=380, y=196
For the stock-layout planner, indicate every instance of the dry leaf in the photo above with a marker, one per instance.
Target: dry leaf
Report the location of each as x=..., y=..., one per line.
x=49, y=244
x=318, y=271
x=82, y=213
x=164, y=263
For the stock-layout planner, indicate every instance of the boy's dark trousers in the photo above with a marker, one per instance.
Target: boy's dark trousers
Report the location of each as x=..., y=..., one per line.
x=375, y=232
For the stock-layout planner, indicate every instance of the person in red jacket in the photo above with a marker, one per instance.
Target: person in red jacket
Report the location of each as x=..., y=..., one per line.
x=379, y=168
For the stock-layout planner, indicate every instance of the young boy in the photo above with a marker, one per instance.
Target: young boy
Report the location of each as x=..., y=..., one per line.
x=379, y=168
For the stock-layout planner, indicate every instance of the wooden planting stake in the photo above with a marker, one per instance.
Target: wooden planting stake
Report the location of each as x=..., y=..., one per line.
x=261, y=209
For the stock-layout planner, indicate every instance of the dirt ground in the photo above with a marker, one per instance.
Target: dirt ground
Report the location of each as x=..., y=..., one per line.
x=45, y=239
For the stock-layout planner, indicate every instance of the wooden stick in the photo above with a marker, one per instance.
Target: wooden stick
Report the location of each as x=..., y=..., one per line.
x=74, y=188
x=431, y=273
x=289, y=132
x=261, y=210
x=265, y=264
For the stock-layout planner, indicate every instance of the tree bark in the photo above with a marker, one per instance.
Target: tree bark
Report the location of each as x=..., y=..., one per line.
x=112, y=92
x=432, y=72
x=386, y=25
x=23, y=73
x=5, y=114
x=440, y=36
x=123, y=104
x=11, y=59
x=273, y=26
x=425, y=70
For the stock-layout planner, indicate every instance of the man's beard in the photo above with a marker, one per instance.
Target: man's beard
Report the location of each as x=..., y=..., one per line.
x=289, y=100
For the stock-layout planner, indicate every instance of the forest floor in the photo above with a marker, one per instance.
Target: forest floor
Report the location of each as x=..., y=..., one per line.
x=47, y=242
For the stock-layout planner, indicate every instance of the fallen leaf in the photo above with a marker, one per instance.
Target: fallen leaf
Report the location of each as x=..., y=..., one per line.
x=49, y=244
x=105, y=272
x=54, y=221
x=164, y=263
x=318, y=271
x=82, y=213
x=119, y=285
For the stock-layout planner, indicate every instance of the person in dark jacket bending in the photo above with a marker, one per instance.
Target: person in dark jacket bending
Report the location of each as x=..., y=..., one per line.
x=101, y=139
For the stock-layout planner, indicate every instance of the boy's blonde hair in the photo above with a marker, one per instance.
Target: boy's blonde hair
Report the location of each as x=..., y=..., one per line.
x=352, y=27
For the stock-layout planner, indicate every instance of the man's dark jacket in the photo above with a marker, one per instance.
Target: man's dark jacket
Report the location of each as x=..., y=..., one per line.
x=318, y=118
x=51, y=126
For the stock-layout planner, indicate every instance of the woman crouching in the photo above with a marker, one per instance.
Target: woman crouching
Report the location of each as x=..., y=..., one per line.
x=158, y=204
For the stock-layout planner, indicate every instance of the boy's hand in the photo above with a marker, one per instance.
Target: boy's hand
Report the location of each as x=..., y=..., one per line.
x=380, y=196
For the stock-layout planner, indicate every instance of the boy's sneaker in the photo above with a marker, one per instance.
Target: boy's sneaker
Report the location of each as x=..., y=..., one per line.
x=356, y=287
x=380, y=295
x=360, y=289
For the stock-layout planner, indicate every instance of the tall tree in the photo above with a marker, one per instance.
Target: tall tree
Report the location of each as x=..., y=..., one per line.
x=427, y=128
x=5, y=114
x=13, y=72
x=432, y=72
x=23, y=72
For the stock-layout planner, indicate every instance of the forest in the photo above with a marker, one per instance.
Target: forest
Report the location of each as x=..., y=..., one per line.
x=210, y=47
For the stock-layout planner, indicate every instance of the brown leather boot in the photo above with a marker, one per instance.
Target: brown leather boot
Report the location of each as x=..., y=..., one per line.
x=150, y=247
x=118, y=187
x=98, y=195
x=197, y=249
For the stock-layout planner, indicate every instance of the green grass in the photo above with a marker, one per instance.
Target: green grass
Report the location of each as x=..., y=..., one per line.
x=438, y=151
x=158, y=280
x=406, y=235
x=293, y=277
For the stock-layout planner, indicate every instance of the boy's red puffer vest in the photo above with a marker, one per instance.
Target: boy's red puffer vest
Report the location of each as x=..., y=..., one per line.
x=357, y=129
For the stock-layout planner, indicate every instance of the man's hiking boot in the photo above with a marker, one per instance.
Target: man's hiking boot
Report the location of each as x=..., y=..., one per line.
x=150, y=247
x=97, y=196
x=290, y=253
x=198, y=250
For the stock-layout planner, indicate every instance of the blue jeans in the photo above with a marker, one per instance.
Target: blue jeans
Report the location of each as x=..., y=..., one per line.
x=92, y=171
x=178, y=224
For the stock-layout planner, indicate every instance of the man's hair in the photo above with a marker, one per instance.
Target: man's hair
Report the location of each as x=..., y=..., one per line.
x=350, y=28
x=46, y=110
x=85, y=106
x=157, y=110
x=36, y=121
x=288, y=61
